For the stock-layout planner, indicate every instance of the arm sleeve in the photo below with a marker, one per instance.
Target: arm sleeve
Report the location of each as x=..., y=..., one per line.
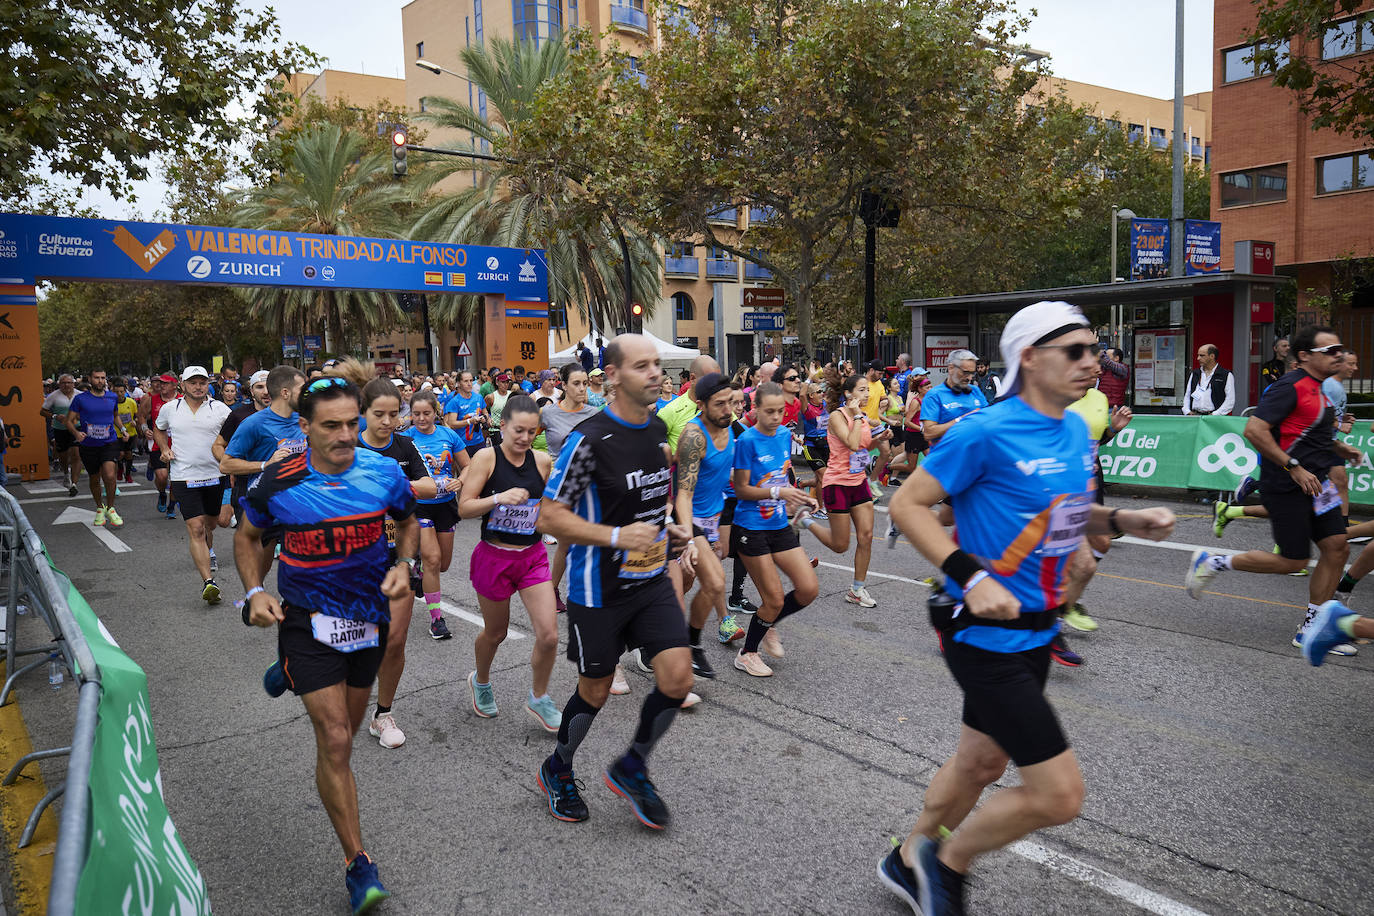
x=957, y=468
x=1229, y=403
x=572, y=474
x=1277, y=402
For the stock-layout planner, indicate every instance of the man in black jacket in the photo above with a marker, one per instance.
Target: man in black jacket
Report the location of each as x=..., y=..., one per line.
x=1211, y=389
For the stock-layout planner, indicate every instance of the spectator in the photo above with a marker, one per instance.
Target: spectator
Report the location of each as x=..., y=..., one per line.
x=1115, y=377
x=1211, y=389
x=584, y=356
x=1271, y=371
x=988, y=383
x=600, y=353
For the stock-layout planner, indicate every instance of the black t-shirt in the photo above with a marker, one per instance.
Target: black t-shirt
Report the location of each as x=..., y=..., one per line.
x=402, y=450
x=1304, y=424
x=513, y=524
x=237, y=416
x=613, y=473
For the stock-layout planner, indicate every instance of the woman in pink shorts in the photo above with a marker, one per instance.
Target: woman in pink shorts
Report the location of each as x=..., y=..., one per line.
x=844, y=483
x=503, y=486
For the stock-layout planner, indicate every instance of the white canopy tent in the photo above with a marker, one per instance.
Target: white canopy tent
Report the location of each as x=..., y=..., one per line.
x=666, y=350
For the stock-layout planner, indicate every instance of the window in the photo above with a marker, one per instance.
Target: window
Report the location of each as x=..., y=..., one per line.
x=537, y=20
x=477, y=20
x=422, y=103
x=683, y=309
x=467, y=31
x=1345, y=173
x=681, y=250
x=1353, y=36
x=711, y=310
x=1135, y=132
x=1239, y=63
x=1113, y=124
x=420, y=49
x=719, y=254
x=572, y=14
x=558, y=315
x=1255, y=186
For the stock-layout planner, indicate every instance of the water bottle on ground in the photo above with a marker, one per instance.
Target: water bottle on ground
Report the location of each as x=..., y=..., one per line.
x=55, y=673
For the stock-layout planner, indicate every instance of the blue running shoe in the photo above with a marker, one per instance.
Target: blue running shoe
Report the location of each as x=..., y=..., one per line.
x=364, y=887
x=942, y=888
x=1246, y=486
x=1324, y=632
x=274, y=679
x=564, y=794
x=636, y=789
x=161, y=501
x=1200, y=573
x=892, y=871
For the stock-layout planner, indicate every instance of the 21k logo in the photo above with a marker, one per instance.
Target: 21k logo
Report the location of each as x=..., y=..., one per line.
x=145, y=256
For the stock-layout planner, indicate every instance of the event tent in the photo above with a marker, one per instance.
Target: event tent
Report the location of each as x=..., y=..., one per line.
x=665, y=349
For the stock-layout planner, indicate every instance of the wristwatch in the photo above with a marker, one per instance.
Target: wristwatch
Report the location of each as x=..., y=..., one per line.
x=412, y=562
x=1292, y=463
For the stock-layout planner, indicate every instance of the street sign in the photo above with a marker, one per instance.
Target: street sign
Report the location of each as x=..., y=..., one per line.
x=762, y=321
x=290, y=347
x=464, y=349
x=763, y=297
x=313, y=343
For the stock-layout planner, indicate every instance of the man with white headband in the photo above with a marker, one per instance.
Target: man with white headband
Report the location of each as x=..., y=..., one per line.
x=1019, y=476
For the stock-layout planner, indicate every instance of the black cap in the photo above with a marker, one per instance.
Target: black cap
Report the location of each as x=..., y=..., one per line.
x=876, y=365
x=708, y=385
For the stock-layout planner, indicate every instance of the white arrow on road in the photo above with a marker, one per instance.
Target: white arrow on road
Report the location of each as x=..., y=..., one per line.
x=74, y=516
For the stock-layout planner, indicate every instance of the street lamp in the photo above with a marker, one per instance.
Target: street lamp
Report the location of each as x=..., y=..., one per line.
x=1118, y=322
x=434, y=68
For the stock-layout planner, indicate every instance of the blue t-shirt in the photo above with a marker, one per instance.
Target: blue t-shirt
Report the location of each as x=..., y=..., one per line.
x=334, y=549
x=768, y=459
x=440, y=450
x=901, y=381
x=97, y=416
x=717, y=464
x=1333, y=389
x=260, y=436
x=1021, y=485
x=464, y=407
x=942, y=403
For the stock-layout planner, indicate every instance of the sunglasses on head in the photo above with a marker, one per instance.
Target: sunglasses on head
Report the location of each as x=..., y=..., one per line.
x=1074, y=351
x=1329, y=349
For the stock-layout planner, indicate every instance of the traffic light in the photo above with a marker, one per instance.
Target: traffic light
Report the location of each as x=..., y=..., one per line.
x=636, y=318
x=399, y=138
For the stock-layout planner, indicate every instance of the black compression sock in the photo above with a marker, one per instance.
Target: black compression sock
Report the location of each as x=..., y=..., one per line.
x=757, y=630
x=737, y=583
x=381, y=711
x=655, y=716
x=694, y=635
x=790, y=606
x=577, y=720
x=1347, y=583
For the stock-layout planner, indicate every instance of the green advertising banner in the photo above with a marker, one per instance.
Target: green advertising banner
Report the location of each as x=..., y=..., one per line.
x=135, y=860
x=1208, y=453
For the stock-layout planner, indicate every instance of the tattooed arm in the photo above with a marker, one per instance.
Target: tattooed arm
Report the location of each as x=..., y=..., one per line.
x=691, y=446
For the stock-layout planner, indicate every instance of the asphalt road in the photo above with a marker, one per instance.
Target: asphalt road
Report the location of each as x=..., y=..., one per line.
x=1224, y=774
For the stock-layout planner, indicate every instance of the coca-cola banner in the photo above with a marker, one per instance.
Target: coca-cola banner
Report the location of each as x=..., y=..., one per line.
x=21, y=384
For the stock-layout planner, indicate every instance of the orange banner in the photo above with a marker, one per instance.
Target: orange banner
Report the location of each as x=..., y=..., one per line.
x=527, y=340
x=21, y=385
x=494, y=331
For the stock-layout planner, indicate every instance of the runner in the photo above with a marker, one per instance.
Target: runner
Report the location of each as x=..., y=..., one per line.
x=496, y=403
x=127, y=412
x=238, y=484
x=466, y=412
x=185, y=434
x=505, y=485
x=608, y=496
x=1018, y=530
x=55, y=407
x=164, y=390
x=381, y=408
x=767, y=544
x=735, y=603
x=815, y=420
x=914, y=443
x=92, y=421
x=1293, y=430
x=445, y=456
x=558, y=420
x=844, y=485
x=332, y=620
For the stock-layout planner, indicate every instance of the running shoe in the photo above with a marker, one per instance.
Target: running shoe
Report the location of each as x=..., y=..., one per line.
x=550, y=540
x=1060, y=652
x=1219, y=519
x=171, y=511
x=71, y=489
x=1325, y=635
x=1078, y=618
x=701, y=667
x=799, y=520
x=815, y=561
x=100, y=518
x=1200, y=572
x=637, y=789
x=729, y=630
x=929, y=582
x=438, y=629
x=483, y=697
x=162, y=503
x=690, y=700
x=1246, y=486
x=752, y=663
x=214, y=563
x=899, y=879
x=558, y=605
x=1343, y=648
x=210, y=592
x=619, y=686
x=821, y=515
x=861, y=597
x=941, y=887
x=893, y=533
x=384, y=729
x=543, y=709
x=874, y=489
x=364, y=887
x=1305, y=571
x=274, y=680
x=644, y=664
x=741, y=606
x=564, y=794
x=772, y=643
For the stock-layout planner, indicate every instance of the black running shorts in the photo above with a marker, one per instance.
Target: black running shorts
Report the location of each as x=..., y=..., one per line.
x=439, y=516
x=753, y=543
x=648, y=618
x=1295, y=526
x=309, y=665
x=93, y=456
x=63, y=440
x=155, y=461
x=1004, y=698
x=198, y=501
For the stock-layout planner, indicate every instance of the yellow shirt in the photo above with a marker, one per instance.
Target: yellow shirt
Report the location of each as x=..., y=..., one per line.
x=128, y=415
x=1093, y=407
x=876, y=392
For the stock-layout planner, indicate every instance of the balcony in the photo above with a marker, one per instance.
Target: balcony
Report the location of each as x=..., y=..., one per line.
x=681, y=267
x=629, y=19
x=1197, y=149
x=753, y=271
x=724, y=215
x=760, y=214
x=1134, y=135
x=721, y=268
x=1158, y=142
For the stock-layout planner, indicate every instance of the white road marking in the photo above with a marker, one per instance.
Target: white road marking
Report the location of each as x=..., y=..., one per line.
x=76, y=516
x=1132, y=893
x=872, y=573
x=124, y=489
x=454, y=610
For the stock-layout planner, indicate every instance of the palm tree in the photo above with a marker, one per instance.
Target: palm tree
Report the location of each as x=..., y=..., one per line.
x=517, y=207
x=331, y=185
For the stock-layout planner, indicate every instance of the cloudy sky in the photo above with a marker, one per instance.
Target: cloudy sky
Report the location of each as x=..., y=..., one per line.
x=1124, y=44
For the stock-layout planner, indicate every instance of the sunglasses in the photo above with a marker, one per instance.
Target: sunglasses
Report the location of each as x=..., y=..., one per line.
x=790, y=378
x=323, y=384
x=1329, y=349
x=1074, y=351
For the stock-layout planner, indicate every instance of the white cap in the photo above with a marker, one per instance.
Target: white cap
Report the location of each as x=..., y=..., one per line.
x=259, y=376
x=1034, y=324
x=191, y=372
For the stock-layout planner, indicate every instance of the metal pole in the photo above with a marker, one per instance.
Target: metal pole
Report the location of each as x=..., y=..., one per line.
x=722, y=356
x=1116, y=307
x=870, y=307
x=1176, y=212
x=431, y=368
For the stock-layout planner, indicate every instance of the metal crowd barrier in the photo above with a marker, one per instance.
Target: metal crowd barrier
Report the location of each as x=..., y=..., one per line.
x=30, y=581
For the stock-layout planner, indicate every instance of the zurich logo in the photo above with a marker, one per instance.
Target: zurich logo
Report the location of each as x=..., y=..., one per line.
x=198, y=267
x=526, y=272
x=493, y=263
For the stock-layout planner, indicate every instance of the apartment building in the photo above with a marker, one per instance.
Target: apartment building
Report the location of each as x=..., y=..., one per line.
x=1275, y=179
x=1144, y=118
x=360, y=89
